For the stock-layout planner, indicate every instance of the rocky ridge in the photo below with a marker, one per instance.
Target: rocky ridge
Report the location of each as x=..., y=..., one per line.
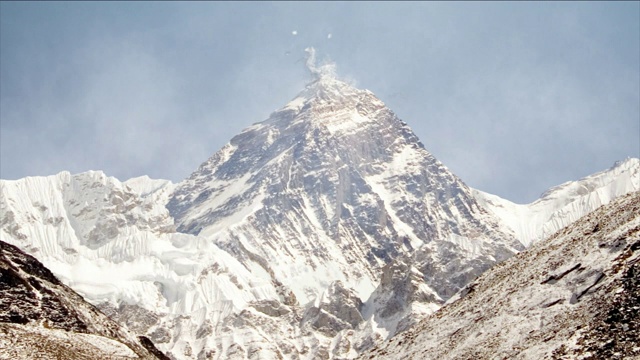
x=40, y=317
x=574, y=295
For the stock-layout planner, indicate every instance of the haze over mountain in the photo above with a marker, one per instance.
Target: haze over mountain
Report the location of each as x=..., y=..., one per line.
x=534, y=93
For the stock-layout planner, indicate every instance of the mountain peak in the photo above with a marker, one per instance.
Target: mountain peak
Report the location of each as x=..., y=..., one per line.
x=325, y=84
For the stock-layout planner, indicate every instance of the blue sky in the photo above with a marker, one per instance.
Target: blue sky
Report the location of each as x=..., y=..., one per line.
x=512, y=97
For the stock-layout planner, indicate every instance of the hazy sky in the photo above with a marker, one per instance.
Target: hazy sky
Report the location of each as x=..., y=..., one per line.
x=512, y=97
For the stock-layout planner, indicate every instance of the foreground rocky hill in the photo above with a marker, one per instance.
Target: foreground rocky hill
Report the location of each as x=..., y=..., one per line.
x=44, y=319
x=575, y=295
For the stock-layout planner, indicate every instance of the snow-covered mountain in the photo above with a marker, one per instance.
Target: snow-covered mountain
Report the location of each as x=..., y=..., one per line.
x=313, y=234
x=563, y=204
x=44, y=319
x=331, y=187
x=116, y=245
x=283, y=234
x=572, y=296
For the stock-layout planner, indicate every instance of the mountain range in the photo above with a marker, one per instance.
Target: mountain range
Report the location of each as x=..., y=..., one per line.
x=317, y=233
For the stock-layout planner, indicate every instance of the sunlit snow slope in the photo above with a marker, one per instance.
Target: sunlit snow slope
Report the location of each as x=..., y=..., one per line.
x=563, y=204
x=115, y=244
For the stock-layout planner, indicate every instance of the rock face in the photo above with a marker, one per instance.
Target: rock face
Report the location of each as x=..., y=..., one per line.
x=574, y=295
x=338, y=309
x=42, y=318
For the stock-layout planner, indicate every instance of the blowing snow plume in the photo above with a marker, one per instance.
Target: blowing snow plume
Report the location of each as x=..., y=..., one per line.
x=328, y=69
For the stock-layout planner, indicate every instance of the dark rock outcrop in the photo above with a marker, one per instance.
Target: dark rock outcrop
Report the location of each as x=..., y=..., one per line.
x=41, y=317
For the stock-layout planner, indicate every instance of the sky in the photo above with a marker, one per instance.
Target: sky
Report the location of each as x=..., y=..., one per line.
x=514, y=98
